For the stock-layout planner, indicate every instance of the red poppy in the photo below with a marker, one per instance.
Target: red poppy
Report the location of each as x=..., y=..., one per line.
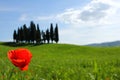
x=20, y=58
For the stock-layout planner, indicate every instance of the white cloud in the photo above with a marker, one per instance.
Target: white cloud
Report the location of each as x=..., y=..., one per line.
x=69, y=16
x=97, y=11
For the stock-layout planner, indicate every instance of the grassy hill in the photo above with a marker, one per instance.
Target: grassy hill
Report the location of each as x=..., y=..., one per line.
x=63, y=62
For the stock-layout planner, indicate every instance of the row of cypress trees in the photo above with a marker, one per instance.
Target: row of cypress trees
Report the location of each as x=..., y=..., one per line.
x=33, y=34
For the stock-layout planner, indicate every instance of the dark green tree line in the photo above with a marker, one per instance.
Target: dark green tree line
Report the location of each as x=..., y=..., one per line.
x=33, y=34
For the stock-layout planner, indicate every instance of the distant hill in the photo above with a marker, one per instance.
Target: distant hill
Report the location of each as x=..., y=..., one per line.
x=114, y=43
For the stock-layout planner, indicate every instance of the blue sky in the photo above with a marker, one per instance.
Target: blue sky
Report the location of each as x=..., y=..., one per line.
x=80, y=21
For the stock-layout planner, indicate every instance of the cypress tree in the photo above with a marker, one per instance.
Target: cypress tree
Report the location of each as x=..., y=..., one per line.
x=32, y=32
x=51, y=32
x=56, y=34
x=14, y=36
x=38, y=35
x=28, y=35
x=43, y=36
x=18, y=35
x=47, y=35
x=21, y=34
x=25, y=33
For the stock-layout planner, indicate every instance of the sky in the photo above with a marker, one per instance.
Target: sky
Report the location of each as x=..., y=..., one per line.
x=80, y=22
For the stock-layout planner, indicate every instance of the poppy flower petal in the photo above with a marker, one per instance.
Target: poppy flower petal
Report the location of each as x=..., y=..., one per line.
x=20, y=58
x=18, y=62
x=10, y=54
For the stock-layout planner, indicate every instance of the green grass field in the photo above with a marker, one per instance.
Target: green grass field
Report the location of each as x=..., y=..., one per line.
x=64, y=62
